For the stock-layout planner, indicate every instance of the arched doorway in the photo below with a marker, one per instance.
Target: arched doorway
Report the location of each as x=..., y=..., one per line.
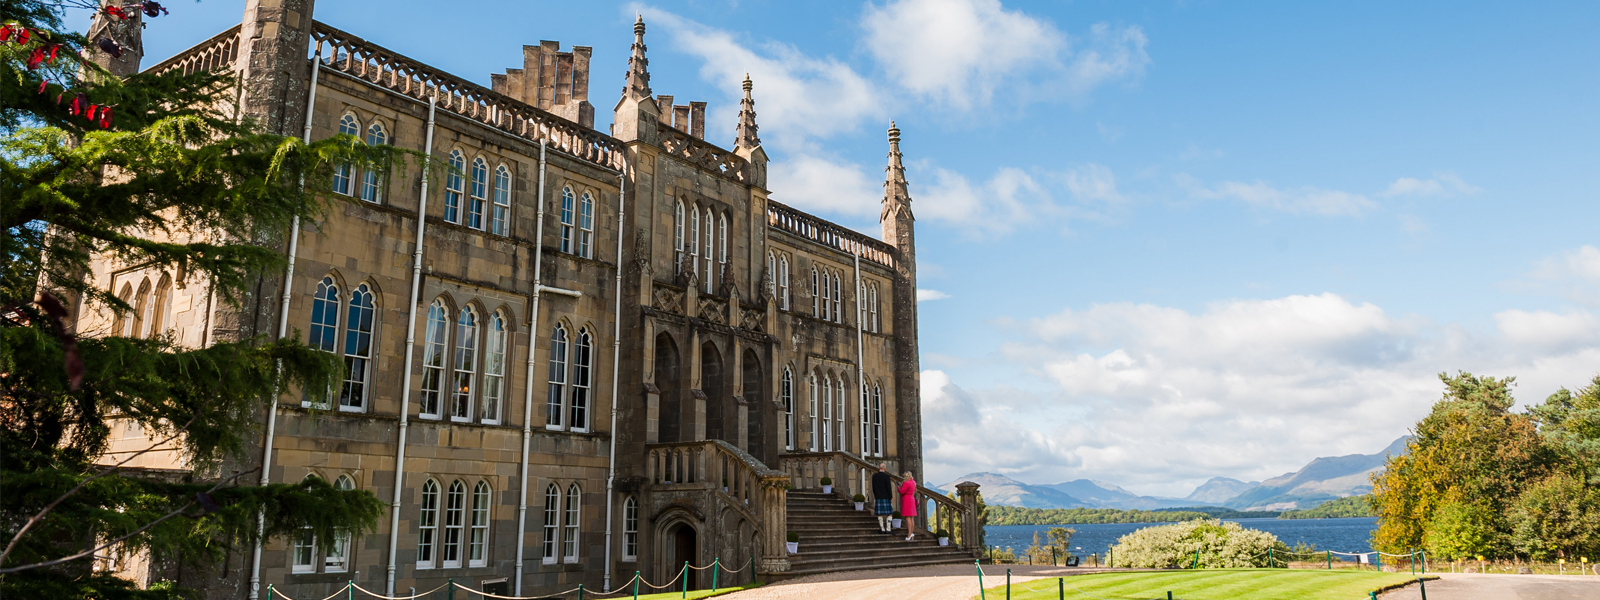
x=684, y=548
x=711, y=377
x=755, y=386
x=669, y=380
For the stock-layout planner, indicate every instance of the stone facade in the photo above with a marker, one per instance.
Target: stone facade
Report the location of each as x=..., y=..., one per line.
x=597, y=356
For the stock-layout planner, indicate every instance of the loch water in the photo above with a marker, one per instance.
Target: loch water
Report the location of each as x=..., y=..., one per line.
x=1340, y=535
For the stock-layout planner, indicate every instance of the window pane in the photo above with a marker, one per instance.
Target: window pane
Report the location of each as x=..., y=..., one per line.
x=465, y=364
x=558, y=377
x=582, y=358
x=494, y=368
x=453, y=187
x=567, y=201
x=433, y=360
x=569, y=552
x=427, y=523
x=480, y=193
x=552, y=506
x=357, y=348
x=500, y=224
x=586, y=226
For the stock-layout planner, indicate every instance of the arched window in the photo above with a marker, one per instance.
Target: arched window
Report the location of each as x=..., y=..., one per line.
x=677, y=237
x=122, y=323
x=694, y=239
x=348, y=125
x=567, y=208
x=827, y=295
x=466, y=364
x=454, y=511
x=812, y=392
x=453, y=186
x=630, y=529
x=569, y=550
x=877, y=419
x=722, y=243
x=827, y=412
x=839, y=398
x=500, y=220
x=160, y=307
x=552, y=510
x=338, y=559
x=710, y=276
x=772, y=274
x=582, y=367
x=783, y=282
x=861, y=307
x=816, y=295
x=558, y=378
x=304, y=553
x=839, y=298
x=480, y=193
x=141, y=309
x=478, y=543
x=372, y=180
x=872, y=306
x=864, y=423
x=494, y=369
x=586, y=226
x=786, y=396
x=428, y=524
x=433, y=360
x=357, y=349
x=325, y=315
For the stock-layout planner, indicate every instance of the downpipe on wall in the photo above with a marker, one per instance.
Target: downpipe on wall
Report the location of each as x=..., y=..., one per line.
x=616, y=362
x=527, y=382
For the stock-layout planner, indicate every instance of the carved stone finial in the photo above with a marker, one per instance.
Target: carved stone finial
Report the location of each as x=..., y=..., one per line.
x=638, y=83
x=745, y=135
x=896, y=196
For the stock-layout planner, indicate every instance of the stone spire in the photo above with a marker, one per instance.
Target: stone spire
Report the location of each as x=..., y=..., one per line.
x=638, y=86
x=126, y=35
x=896, y=198
x=745, y=135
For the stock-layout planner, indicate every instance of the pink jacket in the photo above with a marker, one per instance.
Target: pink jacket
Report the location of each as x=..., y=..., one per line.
x=908, y=498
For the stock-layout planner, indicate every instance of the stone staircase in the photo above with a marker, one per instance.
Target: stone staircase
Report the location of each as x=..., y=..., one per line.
x=834, y=536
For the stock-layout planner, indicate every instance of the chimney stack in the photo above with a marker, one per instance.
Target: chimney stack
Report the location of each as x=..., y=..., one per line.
x=697, y=116
x=551, y=80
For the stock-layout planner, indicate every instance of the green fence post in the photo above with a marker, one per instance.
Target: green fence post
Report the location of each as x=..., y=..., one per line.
x=1061, y=588
x=1052, y=556
x=1196, y=564
x=450, y=588
x=1270, y=564
x=1111, y=557
x=349, y=590
x=1424, y=555
x=1424, y=587
x=1372, y=595
x=1330, y=560
x=715, y=565
x=1169, y=594
x=981, y=594
x=635, y=585
x=269, y=591
x=1008, y=584
x=685, y=579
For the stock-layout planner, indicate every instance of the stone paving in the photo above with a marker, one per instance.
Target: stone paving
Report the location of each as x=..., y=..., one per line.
x=1454, y=586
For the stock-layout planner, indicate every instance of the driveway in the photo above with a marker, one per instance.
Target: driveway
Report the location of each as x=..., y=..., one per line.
x=1455, y=586
x=939, y=582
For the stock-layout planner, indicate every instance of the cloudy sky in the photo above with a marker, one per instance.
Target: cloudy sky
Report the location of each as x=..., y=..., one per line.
x=1159, y=241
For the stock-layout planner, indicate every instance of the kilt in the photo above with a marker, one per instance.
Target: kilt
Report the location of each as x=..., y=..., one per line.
x=882, y=507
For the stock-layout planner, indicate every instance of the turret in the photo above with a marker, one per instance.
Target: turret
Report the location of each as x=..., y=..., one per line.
x=745, y=141
x=636, y=111
x=899, y=231
x=552, y=80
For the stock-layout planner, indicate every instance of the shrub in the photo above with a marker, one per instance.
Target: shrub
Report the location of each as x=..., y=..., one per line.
x=858, y=498
x=827, y=481
x=794, y=537
x=1220, y=545
x=944, y=533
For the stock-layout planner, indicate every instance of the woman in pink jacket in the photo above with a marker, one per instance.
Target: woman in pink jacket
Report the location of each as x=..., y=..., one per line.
x=908, y=504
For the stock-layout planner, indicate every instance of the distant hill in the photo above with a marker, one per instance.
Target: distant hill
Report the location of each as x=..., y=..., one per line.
x=1220, y=489
x=1100, y=494
x=1321, y=480
x=1351, y=506
x=999, y=490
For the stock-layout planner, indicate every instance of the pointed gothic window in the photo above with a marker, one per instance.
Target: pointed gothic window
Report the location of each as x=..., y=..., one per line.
x=872, y=306
x=160, y=308
x=677, y=238
x=427, y=524
x=552, y=509
x=480, y=193
x=357, y=349
x=568, y=205
x=372, y=180
x=123, y=321
x=838, y=297
x=348, y=125
x=772, y=274
x=839, y=412
x=494, y=369
x=710, y=276
x=338, y=559
x=500, y=219
x=786, y=396
x=433, y=346
x=694, y=239
x=827, y=295
x=454, y=187
x=557, y=393
x=586, y=226
x=478, y=543
x=816, y=295
x=877, y=420
x=630, y=530
x=325, y=315
x=466, y=363
x=812, y=392
x=864, y=422
x=783, y=282
x=722, y=243
x=582, y=373
x=454, y=507
x=827, y=413
x=569, y=550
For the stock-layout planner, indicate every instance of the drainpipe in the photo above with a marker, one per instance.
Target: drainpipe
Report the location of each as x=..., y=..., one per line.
x=616, y=358
x=527, y=404
x=283, y=330
x=861, y=367
x=411, y=344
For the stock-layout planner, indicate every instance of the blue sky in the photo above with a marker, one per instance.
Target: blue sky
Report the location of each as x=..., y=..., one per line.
x=1168, y=240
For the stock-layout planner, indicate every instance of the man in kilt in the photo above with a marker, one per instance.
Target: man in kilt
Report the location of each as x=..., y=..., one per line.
x=882, y=493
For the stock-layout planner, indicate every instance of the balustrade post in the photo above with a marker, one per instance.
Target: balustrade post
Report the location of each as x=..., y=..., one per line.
x=967, y=492
x=775, y=522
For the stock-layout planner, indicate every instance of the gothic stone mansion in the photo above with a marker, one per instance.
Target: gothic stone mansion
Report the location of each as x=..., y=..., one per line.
x=591, y=354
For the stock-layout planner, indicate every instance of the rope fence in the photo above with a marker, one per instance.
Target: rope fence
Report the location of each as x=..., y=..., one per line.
x=625, y=589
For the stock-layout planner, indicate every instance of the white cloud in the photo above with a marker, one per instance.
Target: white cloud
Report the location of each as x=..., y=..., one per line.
x=798, y=97
x=1301, y=200
x=1159, y=398
x=959, y=52
x=1574, y=274
x=1444, y=183
x=1093, y=182
x=813, y=183
x=930, y=295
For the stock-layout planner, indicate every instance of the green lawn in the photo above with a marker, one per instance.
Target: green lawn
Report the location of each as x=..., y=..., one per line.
x=1210, y=584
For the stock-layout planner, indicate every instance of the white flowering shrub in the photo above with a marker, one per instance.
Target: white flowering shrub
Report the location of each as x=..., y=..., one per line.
x=1221, y=545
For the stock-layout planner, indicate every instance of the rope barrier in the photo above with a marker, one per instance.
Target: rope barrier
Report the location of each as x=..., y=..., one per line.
x=383, y=597
x=621, y=588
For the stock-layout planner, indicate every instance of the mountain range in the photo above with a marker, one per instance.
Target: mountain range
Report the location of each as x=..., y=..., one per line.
x=1322, y=479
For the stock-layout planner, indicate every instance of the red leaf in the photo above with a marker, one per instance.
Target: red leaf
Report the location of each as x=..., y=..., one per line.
x=36, y=57
x=5, y=33
x=105, y=117
x=22, y=36
x=41, y=86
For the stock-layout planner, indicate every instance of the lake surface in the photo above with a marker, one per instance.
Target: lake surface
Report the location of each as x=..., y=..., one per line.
x=1339, y=535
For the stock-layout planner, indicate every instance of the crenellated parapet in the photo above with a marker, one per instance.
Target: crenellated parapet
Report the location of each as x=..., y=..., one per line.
x=830, y=234
x=219, y=52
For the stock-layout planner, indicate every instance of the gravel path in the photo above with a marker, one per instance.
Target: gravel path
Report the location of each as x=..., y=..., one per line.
x=939, y=582
x=1455, y=586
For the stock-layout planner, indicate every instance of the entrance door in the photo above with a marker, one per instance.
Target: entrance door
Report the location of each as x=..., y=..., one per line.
x=683, y=549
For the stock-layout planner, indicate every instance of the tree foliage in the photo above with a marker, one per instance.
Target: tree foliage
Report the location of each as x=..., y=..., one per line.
x=176, y=182
x=1480, y=479
x=1209, y=544
x=1341, y=508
